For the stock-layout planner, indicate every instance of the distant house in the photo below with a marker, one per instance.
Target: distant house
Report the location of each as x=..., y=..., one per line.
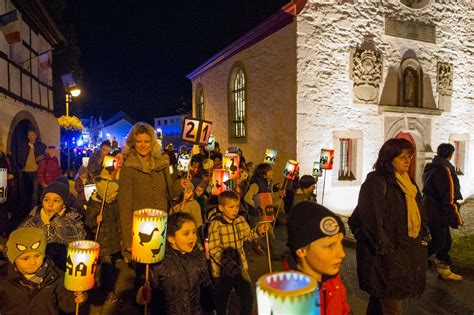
x=116, y=127
x=27, y=37
x=170, y=128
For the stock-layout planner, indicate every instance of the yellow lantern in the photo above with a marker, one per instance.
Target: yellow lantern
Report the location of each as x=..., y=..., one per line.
x=287, y=293
x=3, y=184
x=81, y=264
x=270, y=156
x=291, y=169
x=89, y=190
x=219, y=180
x=109, y=163
x=149, y=235
x=230, y=162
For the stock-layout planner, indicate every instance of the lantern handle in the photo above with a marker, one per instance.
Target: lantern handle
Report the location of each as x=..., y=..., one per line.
x=285, y=183
x=102, y=208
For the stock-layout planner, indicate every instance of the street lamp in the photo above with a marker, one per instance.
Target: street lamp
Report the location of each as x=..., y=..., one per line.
x=70, y=93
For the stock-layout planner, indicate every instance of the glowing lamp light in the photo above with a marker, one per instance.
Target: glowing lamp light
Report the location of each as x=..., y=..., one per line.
x=85, y=160
x=327, y=159
x=270, y=156
x=89, y=190
x=317, y=168
x=291, y=169
x=219, y=179
x=3, y=184
x=75, y=92
x=230, y=162
x=149, y=235
x=287, y=293
x=81, y=264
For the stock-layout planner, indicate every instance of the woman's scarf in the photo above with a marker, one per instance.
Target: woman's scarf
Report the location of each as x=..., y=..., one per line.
x=413, y=215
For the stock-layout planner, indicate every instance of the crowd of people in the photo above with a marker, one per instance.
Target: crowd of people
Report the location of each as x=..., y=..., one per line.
x=208, y=235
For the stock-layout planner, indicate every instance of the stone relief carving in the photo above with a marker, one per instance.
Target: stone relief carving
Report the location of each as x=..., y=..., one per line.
x=367, y=75
x=445, y=78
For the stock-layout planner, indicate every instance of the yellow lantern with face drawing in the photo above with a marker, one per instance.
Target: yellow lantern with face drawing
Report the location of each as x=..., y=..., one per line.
x=81, y=264
x=230, y=162
x=149, y=235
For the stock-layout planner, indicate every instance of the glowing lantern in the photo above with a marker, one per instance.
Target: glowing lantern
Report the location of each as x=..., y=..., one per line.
x=183, y=163
x=219, y=179
x=149, y=236
x=81, y=264
x=210, y=144
x=230, y=162
x=85, y=161
x=317, y=169
x=270, y=156
x=291, y=169
x=109, y=163
x=264, y=205
x=327, y=159
x=3, y=184
x=287, y=293
x=89, y=190
x=233, y=149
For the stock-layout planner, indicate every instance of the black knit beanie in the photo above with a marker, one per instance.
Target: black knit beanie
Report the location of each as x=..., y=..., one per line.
x=306, y=181
x=308, y=222
x=57, y=188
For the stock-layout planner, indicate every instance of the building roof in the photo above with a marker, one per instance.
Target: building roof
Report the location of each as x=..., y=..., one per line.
x=34, y=13
x=119, y=116
x=275, y=22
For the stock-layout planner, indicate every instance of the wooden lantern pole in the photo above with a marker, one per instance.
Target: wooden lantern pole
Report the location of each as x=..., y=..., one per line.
x=285, y=183
x=268, y=251
x=147, y=273
x=324, y=184
x=102, y=208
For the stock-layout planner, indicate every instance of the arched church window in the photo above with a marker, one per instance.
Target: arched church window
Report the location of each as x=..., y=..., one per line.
x=200, y=102
x=238, y=103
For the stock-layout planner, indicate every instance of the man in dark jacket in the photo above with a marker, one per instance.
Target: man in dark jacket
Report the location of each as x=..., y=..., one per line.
x=441, y=191
x=29, y=156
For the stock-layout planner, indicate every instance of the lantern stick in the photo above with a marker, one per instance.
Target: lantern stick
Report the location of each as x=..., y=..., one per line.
x=102, y=208
x=268, y=252
x=324, y=184
x=285, y=182
x=147, y=272
x=77, y=308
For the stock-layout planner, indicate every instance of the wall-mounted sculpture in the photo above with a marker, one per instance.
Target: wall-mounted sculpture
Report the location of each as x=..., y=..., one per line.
x=445, y=78
x=367, y=74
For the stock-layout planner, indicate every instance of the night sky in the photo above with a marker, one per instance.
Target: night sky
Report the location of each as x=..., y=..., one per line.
x=136, y=54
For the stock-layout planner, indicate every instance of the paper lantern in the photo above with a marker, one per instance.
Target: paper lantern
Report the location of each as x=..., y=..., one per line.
x=230, y=162
x=287, y=293
x=211, y=143
x=233, y=149
x=183, y=163
x=89, y=190
x=264, y=207
x=109, y=163
x=270, y=156
x=317, y=169
x=3, y=184
x=149, y=236
x=85, y=161
x=291, y=169
x=219, y=178
x=327, y=159
x=81, y=264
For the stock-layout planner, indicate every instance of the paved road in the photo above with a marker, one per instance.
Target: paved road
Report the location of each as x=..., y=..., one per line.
x=440, y=297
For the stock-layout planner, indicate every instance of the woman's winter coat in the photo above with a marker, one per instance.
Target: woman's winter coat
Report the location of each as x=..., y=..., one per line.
x=141, y=187
x=390, y=264
x=20, y=297
x=181, y=284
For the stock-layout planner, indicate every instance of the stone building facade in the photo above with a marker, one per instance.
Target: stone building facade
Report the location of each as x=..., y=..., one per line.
x=27, y=38
x=362, y=72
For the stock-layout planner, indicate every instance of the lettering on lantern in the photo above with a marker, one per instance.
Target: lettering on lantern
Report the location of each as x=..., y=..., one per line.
x=196, y=131
x=80, y=269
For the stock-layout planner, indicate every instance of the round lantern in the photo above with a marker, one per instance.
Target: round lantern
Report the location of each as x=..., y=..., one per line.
x=270, y=156
x=287, y=293
x=81, y=264
x=230, y=162
x=3, y=184
x=85, y=161
x=149, y=236
x=218, y=182
x=291, y=168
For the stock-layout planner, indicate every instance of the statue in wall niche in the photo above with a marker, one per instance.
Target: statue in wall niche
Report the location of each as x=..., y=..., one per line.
x=367, y=75
x=409, y=88
x=410, y=83
x=445, y=78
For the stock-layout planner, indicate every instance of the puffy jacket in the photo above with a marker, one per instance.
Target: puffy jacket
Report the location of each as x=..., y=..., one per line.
x=181, y=284
x=48, y=169
x=20, y=297
x=390, y=264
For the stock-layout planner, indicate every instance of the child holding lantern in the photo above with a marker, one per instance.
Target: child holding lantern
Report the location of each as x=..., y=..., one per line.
x=31, y=284
x=227, y=234
x=315, y=237
x=180, y=284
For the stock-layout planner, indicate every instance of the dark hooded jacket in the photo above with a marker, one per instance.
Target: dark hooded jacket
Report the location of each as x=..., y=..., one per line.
x=181, y=284
x=20, y=297
x=390, y=264
x=441, y=190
